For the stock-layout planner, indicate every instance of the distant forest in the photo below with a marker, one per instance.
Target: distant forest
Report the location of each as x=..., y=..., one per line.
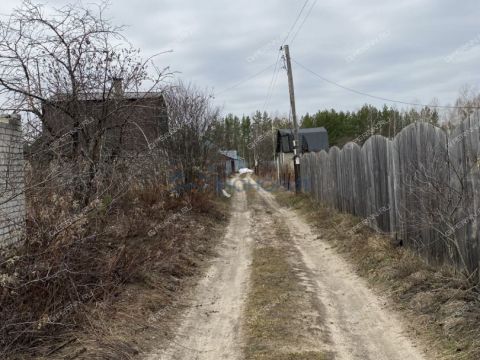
x=368, y=120
x=254, y=136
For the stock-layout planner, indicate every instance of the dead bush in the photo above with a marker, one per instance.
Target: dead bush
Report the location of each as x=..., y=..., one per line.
x=75, y=258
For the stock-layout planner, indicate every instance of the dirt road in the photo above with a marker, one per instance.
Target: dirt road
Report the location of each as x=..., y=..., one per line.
x=210, y=328
x=322, y=310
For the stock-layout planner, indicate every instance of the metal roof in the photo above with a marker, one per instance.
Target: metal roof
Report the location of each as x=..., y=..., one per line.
x=232, y=154
x=128, y=95
x=311, y=139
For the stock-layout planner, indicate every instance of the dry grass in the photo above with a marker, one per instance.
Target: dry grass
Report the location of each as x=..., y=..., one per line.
x=88, y=290
x=442, y=306
x=276, y=324
x=142, y=316
x=273, y=307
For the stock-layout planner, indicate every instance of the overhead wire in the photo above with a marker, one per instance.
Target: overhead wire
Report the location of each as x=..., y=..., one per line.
x=241, y=82
x=272, y=82
x=303, y=22
x=276, y=69
x=295, y=22
x=358, y=92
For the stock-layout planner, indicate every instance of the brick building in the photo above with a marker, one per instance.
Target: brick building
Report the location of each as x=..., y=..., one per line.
x=128, y=121
x=12, y=181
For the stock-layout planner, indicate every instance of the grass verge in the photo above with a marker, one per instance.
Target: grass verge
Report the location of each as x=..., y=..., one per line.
x=280, y=319
x=441, y=305
x=126, y=282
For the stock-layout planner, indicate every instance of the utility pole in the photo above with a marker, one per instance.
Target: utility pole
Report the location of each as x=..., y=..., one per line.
x=296, y=142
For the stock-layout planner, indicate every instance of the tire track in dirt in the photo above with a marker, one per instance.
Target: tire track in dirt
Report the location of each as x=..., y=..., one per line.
x=359, y=324
x=210, y=328
x=332, y=312
x=283, y=317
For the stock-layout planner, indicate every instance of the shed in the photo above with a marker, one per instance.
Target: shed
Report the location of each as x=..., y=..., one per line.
x=311, y=140
x=233, y=162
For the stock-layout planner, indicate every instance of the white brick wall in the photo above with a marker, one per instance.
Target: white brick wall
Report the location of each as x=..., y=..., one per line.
x=12, y=181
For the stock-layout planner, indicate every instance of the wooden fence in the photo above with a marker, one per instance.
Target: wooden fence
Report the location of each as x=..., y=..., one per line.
x=422, y=188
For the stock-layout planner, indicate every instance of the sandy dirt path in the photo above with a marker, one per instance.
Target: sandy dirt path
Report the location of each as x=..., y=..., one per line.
x=360, y=325
x=210, y=328
x=353, y=322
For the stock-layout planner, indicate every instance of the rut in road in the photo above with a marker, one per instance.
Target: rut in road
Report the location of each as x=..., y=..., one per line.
x=360, y=325
x=331, y=314
x=210, y=329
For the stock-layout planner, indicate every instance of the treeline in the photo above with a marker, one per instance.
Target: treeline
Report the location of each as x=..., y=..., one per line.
x=254, y=137
x=368, y=120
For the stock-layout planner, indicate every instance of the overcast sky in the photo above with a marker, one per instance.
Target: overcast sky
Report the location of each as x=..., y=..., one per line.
x=409, y=50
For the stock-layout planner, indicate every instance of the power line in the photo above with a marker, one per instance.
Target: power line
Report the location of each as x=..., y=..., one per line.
x=241, y=82
x=358, y=92
x=296, y=21
x=275, y=64
x=303, y=22
x=270, y=87
x=275, y=70
x=272, y=82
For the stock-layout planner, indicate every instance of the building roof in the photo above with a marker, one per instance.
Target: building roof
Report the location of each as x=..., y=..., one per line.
x=311, y=139
x=232, y=154
x=127, y=95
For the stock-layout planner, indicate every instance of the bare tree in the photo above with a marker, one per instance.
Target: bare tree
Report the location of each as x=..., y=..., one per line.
x=189, y=144
x=52, y=63
x=437, y=208
x=466, y=104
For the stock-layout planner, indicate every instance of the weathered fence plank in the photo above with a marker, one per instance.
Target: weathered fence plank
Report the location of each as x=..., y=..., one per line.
x=374, y=154
x=422, y=187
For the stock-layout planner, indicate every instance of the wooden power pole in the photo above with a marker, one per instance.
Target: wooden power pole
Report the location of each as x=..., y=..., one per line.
x=296, y=142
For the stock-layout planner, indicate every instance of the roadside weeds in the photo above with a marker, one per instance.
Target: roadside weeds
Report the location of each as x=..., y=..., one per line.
x=143, y=313
x=441, y=306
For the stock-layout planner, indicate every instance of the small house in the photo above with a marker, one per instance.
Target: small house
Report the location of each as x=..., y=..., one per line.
x=233, y=162
x=130, y=121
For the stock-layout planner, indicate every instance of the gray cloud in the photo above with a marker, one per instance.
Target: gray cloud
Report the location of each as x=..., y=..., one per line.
x=214, y=43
